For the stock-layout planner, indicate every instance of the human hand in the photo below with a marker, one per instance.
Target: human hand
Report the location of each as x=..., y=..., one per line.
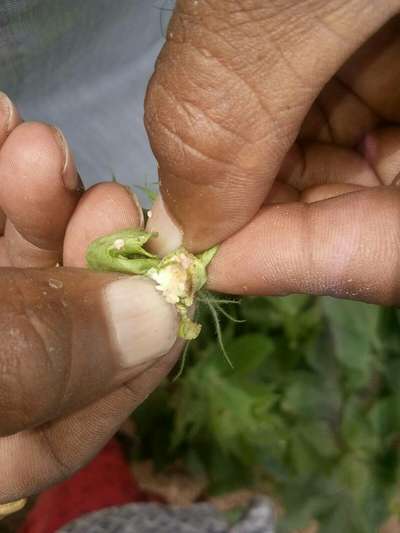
x=276, y=129
x=79, y=350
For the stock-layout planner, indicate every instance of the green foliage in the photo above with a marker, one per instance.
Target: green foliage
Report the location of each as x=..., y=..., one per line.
x=310, y=410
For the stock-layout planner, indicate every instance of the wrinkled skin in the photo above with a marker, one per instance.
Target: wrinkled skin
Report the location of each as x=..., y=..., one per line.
x=276, y=127
x=63, y=389
x=238, y=84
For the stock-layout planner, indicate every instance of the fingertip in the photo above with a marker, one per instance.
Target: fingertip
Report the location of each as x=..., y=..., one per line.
x=103, y=209
x=69, y=174
x=9, y=116
x=142, y=324
x=33, y=165
x=86, y=335
x=37, y=154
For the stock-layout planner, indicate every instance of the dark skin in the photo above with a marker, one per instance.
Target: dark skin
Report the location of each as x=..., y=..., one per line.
x=276, y=127
x=286, y=102
x=63, y=392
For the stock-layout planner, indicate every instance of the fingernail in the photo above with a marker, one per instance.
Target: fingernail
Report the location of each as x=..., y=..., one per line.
x=170, y=236
x=68, y=173
x=143, y=326
x=135, y=200
x=12, y=116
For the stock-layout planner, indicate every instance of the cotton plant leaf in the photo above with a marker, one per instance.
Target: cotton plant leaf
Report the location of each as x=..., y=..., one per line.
x=247, y=353
x=354, y=327
x=327, y=445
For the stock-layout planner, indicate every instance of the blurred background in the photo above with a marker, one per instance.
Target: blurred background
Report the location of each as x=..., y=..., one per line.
x=310, y=414
x=84, y=66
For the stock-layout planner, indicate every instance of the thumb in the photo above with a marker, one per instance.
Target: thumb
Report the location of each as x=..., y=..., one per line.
x=69, y=336
x=229, y=93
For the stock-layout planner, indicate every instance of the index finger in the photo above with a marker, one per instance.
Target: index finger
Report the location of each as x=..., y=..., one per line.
x=230, y=90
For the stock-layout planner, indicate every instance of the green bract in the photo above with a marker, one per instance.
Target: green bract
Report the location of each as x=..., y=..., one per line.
x=179, y=275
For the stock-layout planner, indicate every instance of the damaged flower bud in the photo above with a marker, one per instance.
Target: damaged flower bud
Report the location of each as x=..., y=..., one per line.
x=178, y=276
